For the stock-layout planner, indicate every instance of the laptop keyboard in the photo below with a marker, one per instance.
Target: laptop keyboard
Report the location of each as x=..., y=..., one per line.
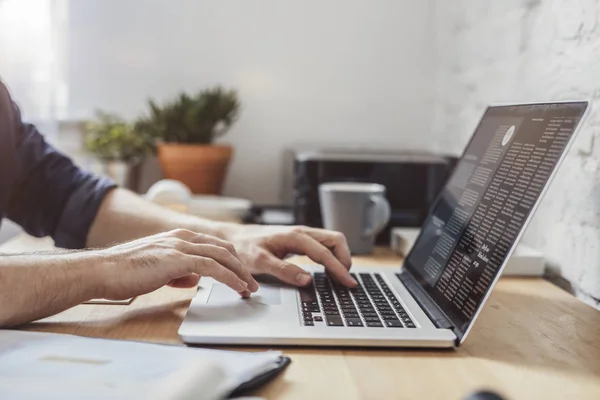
x=371, y=304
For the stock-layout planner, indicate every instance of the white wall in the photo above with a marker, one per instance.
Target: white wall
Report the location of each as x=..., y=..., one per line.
x=352, y=72
x=531, y=50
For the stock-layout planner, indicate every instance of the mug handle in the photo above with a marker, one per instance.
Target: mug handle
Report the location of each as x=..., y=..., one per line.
x=381, y=215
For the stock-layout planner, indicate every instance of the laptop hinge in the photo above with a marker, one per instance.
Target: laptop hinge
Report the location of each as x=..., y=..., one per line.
x=422, y=298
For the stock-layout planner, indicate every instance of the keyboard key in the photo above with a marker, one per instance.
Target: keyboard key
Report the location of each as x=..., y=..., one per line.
x=393, y=324
x=410, y=325
x=367, y=309
x=354, y=322
x=370, y=315
x=334, y=321
x=372, y=294
x=310, y=308
x=308, y=294
x=309, y=323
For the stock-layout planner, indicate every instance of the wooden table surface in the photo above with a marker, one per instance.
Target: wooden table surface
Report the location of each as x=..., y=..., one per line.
x=532, y=341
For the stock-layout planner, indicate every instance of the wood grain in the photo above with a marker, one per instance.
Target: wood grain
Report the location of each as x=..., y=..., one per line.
x=532, y=341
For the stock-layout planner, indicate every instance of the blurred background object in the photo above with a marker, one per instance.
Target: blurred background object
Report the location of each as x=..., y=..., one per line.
x=484, y=395
x=412, y=180
x=177, y=196
x=119, y=147
x=185, y=129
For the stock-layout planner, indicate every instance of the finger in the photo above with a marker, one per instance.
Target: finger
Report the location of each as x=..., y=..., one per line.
x=205, y=266
x=285, y=271
x=207, y=239
x=225, y=258
x=200, y=238
x=336, y=241
x=185, y=282
x=304, y=244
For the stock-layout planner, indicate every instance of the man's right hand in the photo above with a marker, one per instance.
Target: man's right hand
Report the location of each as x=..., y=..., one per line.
x=177, y=258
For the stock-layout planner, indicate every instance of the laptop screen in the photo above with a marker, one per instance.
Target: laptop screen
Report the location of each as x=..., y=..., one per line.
x=486, y=203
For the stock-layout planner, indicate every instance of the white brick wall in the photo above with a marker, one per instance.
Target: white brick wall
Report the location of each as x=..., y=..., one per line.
x=529, y=50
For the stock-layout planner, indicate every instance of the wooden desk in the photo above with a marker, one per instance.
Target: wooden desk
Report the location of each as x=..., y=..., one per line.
x=532, y=341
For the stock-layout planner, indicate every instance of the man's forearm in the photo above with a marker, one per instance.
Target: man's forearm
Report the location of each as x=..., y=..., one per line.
x=125, y=216
x=38, y=285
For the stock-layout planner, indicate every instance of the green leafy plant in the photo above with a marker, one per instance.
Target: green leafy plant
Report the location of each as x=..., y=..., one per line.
x=110, y=138
x=198, y=119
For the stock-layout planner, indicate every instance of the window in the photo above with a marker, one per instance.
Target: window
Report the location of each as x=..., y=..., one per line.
x=32, y=56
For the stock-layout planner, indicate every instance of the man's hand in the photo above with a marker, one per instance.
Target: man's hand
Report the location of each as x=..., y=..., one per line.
x=124, y=216
x=34, y=286
x=177, y=258
x=263, y=249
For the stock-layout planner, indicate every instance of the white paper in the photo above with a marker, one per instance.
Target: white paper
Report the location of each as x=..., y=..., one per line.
x=50, y=366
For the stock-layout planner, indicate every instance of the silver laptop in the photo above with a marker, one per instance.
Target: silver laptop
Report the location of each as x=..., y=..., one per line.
x=433, y=299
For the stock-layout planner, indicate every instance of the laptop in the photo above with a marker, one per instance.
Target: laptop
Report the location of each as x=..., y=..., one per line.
x=434, y=298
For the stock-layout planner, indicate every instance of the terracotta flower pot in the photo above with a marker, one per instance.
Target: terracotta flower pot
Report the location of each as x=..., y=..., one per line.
x=201, y=167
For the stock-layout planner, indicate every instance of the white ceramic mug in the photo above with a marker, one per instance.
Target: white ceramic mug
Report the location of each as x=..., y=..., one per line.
x=358, y=210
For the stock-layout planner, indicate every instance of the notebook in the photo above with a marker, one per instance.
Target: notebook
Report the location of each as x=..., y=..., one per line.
x=52, y=366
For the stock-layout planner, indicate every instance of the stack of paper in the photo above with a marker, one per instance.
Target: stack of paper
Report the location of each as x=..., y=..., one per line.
x=51, y=366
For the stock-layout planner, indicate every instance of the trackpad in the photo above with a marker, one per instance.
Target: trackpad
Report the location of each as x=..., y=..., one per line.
x=267, y=294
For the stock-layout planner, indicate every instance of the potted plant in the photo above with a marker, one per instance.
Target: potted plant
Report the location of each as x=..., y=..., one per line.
x=119, y=147
x=186, y=129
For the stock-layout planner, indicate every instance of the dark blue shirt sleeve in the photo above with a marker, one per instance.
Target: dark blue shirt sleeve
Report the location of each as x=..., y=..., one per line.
x=50, y=195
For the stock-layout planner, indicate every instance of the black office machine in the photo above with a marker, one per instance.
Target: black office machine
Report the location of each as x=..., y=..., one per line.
x=412, y=179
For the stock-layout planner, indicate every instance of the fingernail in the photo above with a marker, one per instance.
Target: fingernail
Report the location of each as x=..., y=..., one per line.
x=303, y=279
x=354, y=282
x=245, y=294
x=243, y=287
x=254, y=287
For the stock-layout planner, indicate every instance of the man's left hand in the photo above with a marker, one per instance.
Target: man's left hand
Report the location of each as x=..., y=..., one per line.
x=263, y=249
